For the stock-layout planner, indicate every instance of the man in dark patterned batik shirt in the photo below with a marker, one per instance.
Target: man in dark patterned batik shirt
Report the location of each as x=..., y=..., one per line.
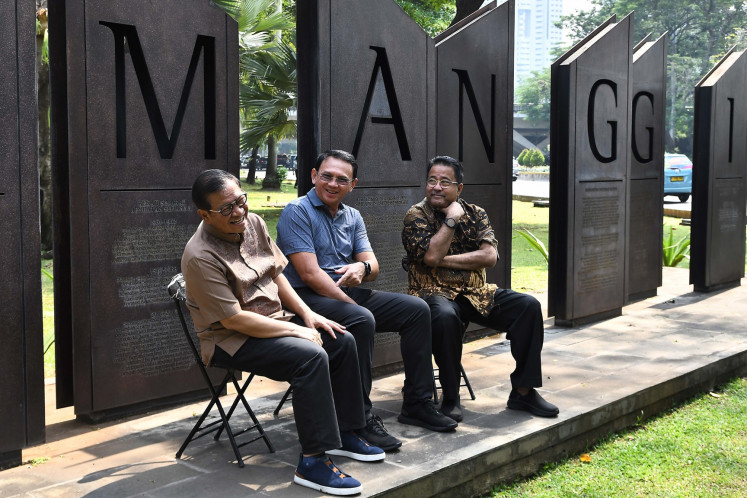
x=449, y=245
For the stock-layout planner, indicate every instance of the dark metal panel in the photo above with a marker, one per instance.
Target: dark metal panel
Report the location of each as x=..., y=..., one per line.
x=377, y=84
x=475, y=110
x=719, y=162
x=647, y=167
x=589, y=184
x=312, y=33
x=22, y=385
x=148, y=110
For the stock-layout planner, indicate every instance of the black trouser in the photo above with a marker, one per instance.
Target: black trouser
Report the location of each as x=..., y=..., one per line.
x=378, y=311
x=519, y=315
x=327, y=398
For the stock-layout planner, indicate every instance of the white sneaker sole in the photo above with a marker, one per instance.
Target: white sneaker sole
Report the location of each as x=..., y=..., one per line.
x=327, y=489
x=357, y=456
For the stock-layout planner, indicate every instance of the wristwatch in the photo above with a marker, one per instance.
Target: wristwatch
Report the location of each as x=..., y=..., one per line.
x=367, y=267
x=450, y=222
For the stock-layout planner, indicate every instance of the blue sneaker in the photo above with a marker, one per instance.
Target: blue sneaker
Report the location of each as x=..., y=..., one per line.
x=357, y=448
x=320, y=473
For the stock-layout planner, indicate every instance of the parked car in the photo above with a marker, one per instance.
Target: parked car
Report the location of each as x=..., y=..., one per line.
x=678, y=176
x=515, y=170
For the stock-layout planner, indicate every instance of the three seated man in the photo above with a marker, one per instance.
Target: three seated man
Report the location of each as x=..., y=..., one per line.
x=308, y=322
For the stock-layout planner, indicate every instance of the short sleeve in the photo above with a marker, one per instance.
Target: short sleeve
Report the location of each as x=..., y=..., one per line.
x=416, y=235
x=485, y=232
x=280, y=261
x=209, y=294
x=361, y=242
x=295, y=232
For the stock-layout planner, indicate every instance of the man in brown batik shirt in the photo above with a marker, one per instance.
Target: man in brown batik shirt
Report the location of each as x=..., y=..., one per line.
x=449, y=245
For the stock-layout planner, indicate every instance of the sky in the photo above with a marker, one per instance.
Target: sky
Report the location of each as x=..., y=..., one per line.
x=573, y=5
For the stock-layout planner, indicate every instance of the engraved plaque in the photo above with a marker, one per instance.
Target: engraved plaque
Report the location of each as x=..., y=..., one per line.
x=647, y=167
x=719, y=162
x=589, y=185
x=21, y=383
x=147, y=111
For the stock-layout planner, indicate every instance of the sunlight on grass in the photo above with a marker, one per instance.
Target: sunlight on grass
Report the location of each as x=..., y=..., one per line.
x=696, y=449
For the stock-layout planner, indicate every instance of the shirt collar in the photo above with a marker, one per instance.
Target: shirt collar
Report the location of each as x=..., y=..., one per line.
x=228, y=237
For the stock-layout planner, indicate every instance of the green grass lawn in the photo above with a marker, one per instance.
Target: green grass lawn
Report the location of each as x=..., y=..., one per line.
x=696, y=449
x=258, y=203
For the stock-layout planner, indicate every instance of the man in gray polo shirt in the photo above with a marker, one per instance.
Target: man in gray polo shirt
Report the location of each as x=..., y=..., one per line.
x=330, y=256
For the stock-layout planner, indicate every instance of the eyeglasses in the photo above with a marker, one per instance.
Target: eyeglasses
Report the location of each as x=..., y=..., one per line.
x=444, y=183
x=341, y=180
x=227, y=209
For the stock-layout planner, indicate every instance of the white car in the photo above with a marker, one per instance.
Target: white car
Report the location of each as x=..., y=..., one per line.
x=515, y=170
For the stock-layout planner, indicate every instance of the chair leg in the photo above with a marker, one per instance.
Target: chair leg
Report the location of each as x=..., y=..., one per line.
x=198, y=430
x=435, y=388
x=466, y=382
x=288, y=395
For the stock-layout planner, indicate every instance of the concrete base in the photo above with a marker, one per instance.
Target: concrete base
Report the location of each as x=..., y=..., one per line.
x=603, y=376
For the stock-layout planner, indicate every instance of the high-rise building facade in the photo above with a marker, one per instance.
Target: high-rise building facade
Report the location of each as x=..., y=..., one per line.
x=535, y=35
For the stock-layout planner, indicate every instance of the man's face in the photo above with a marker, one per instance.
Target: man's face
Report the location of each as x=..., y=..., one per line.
x=438, y=196
x=235, y=222
x=333, y=181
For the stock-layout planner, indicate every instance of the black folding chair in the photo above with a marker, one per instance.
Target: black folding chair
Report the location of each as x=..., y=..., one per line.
x=464, y=383
x=178, y=292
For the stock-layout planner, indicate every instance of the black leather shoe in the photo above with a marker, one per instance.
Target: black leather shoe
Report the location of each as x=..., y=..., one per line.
x=425, y=415
x=532, y=403
x=452, y=409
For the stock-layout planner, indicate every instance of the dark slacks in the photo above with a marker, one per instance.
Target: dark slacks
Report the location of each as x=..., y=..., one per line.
x=378, y=311
x=327, y=398
x=517, y=314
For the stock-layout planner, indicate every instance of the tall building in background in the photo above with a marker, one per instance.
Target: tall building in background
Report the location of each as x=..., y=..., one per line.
x=536, y=35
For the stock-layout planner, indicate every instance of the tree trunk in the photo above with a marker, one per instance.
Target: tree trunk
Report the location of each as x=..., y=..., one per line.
x=252, y=166
x=45, y=159
x=271, y=173
x=465, y=8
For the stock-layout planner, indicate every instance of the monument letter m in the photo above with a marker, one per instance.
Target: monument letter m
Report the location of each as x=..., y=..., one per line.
x=166, y=144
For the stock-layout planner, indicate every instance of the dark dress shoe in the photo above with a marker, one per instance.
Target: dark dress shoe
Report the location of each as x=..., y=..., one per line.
x=533, y=403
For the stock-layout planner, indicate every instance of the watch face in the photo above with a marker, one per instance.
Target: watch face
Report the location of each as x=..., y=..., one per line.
x=450, y=222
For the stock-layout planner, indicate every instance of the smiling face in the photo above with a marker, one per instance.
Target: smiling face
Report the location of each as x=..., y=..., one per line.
x=326, y=181
x=438, y=196
x=234, y=222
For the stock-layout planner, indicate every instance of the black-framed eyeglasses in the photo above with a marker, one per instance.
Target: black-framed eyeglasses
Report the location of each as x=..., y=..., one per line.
x=227, y=209
x=341, y=180
x=444, y=183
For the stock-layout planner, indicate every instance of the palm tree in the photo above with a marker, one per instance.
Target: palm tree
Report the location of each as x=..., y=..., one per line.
x=267, y=73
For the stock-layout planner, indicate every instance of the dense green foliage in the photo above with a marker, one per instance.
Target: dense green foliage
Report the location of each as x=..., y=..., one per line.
x=433, y=16
x=267, y=76
x=534, y=97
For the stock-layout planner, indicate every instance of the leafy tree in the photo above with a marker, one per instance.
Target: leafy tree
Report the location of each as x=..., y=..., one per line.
x=699, y=34
x=434, y=16
x=522, y=157
x=43, y=97
x=534, y=96
x=536, y=158
x=267, y=77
